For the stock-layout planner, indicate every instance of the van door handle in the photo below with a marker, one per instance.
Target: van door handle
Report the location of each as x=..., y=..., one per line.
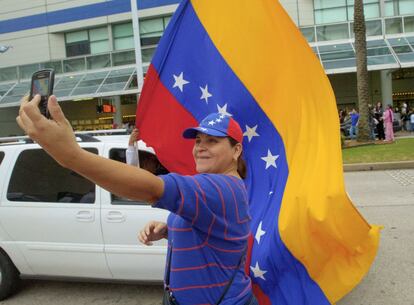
x=115, y=216
x=85, y=216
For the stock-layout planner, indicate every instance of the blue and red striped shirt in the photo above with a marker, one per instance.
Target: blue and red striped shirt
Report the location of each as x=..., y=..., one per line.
x=208, y=230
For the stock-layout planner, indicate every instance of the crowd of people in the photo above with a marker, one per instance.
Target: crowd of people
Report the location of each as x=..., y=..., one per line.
x=381, y=121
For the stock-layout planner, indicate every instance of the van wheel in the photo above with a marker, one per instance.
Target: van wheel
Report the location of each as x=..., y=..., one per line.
x=9, y=276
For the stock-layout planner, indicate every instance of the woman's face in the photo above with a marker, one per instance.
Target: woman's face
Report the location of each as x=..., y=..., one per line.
x=215, y=154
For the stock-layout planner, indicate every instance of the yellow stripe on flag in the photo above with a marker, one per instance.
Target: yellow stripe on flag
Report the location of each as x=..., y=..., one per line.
x=317, y=222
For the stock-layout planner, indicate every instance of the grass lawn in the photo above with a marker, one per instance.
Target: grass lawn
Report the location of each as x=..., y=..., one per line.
x=400, y=150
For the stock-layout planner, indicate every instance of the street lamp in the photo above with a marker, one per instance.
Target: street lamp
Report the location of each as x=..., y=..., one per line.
x=4, y=49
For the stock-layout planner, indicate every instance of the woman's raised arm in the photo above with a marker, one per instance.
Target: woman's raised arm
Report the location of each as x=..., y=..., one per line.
x=58, y=140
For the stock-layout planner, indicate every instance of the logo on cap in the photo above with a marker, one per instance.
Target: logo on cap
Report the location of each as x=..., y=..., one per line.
x=217, y=124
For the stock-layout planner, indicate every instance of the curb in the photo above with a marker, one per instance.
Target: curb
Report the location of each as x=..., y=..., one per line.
x=378, y=166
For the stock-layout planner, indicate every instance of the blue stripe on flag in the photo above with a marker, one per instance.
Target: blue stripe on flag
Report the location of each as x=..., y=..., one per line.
x=186, y=48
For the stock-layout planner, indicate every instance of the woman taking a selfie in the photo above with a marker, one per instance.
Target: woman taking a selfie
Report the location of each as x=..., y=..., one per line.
x=209, y=223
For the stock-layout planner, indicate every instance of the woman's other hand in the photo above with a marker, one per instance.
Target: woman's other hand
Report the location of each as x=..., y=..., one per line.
x=55, y=135
x=153, y=231
x=133, y=138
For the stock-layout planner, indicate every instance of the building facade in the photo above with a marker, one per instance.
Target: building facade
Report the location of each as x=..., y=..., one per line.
x=90, y=45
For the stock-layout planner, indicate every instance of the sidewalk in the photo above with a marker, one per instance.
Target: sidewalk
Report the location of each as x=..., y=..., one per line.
x=382, y=165
x=386, y=198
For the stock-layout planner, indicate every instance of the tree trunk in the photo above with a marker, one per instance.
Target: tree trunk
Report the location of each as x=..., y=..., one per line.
x=364, y=130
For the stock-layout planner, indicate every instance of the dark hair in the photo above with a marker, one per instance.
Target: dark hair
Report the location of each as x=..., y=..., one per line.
x=241, y=164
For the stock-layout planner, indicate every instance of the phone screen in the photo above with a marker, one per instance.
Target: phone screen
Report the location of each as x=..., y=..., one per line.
x=40, y=86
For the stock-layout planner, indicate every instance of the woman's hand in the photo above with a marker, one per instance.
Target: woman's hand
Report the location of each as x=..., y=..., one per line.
x=153, y=231
x=133, y=138
x=55, y=136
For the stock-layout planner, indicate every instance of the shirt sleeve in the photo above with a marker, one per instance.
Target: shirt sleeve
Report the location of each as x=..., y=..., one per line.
x=131, y=155
x=185, y=196
x=173, y=196
x=214, y=204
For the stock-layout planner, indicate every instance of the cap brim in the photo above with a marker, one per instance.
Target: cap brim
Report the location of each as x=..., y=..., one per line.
x=191, y=133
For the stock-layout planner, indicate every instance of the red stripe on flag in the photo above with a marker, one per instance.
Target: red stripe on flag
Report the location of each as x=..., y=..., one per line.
x=248, y=262
x=260, y=296
x=161, y=120
x=257, y=291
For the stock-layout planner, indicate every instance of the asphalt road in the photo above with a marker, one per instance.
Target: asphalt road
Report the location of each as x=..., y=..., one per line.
x=384, y=197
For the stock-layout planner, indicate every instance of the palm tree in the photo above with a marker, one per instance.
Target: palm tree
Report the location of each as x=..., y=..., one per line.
x=364, y=130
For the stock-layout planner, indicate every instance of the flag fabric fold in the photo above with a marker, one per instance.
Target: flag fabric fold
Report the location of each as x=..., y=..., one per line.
x=247, y=59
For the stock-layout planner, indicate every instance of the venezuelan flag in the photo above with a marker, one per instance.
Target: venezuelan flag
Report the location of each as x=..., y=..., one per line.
x=247, y=59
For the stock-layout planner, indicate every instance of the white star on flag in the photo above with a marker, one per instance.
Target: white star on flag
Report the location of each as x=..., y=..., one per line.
x=211, y=123
x=251, y=132
x=218, y=120
x=223, y=110
x=270, y=159
x=180, y=81
x=257, y=272
x=259, y=232
x=205, y=94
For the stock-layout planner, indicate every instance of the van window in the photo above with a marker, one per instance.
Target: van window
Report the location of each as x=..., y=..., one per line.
x=1, y=156
x=147, y=160
x=36, y=177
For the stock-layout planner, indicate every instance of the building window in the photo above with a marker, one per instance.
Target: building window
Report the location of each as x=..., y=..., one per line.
x=99, y=42
x=84, y=42
x=9, y=73
x=409, y=24
x=26, y=71
x=308, y=33
x=332, y=32
x=393, y=26
x=330, y=11
x=123, y=36
x=406, y=7
x=77, y=43
x=398, y=7
x=36, y=177
x=151, y=30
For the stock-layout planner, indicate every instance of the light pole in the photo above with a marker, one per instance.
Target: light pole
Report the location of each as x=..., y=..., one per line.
x=137, y=44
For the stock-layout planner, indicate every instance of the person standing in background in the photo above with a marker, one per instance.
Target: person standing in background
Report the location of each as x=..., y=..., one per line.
x=145, y=159
x=132, y=150
x=353, y=131
x=372, y=122
x=411, y=114
x=388, y=120
x=378, y=116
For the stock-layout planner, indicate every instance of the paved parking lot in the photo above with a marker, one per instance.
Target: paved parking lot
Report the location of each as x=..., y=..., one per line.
x=384, y=197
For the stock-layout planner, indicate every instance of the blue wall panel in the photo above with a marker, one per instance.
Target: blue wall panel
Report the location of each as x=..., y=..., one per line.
x=77, y=13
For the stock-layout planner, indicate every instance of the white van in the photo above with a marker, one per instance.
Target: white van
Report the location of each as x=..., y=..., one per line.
x=56, y=223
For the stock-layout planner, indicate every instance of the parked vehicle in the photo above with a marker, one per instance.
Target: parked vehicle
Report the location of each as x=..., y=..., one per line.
x=55, y=223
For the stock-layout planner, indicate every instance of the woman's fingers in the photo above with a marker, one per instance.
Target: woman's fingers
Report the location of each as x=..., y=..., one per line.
x=32, y=111
x=55, y=110
x=148, y=228
x=144, y=238
x=153, y=231
x=23, y=120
